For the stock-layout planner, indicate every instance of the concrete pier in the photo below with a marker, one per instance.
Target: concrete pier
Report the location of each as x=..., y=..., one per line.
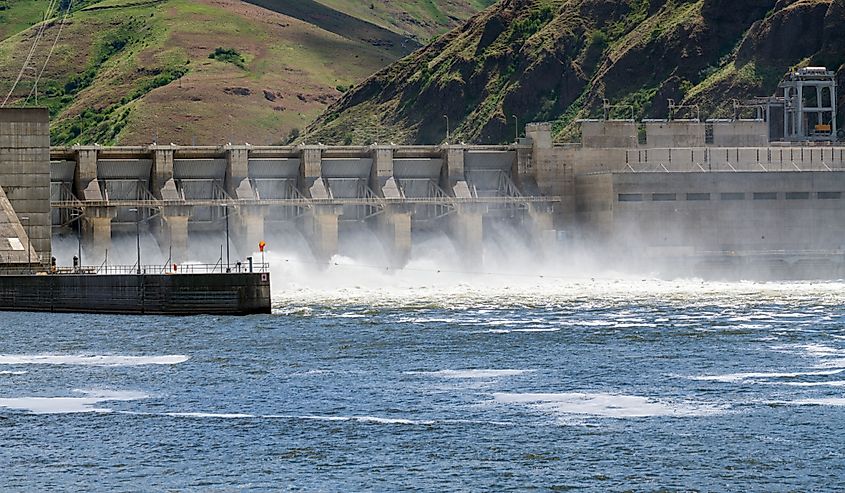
x=173, y=238
x=394, y=230
x=320, y=228
x=251, y=227
x=97, y=233
x=466, y=230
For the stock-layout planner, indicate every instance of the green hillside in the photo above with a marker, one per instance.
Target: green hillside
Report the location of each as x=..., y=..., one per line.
x=559, y=60
x=207, y=71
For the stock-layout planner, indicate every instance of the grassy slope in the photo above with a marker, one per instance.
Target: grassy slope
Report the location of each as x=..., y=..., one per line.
x=129, y=72
x=17, y=15
x=419, y=19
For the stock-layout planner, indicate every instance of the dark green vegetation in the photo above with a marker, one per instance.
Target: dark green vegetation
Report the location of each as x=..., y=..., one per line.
x=228, y=55
x=559, y=60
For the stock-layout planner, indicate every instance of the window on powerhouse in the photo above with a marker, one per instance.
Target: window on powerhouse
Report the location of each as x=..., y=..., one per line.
x=797, y=195
x=663, y=197
x=765, y=195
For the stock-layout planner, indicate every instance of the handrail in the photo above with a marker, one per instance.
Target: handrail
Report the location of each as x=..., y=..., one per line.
x=303, y=202
x=174, y=269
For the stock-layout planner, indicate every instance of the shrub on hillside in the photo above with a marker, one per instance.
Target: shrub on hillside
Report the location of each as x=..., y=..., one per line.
x=228, y=55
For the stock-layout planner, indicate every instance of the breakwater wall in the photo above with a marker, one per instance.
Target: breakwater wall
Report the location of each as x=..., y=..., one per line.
x=147, y=294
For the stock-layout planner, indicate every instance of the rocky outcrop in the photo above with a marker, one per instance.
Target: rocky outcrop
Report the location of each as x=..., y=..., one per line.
x=558, y=60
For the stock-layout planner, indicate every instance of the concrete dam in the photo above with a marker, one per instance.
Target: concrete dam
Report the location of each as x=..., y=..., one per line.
x=714, y=193
x=179, y=194
x=738, y=197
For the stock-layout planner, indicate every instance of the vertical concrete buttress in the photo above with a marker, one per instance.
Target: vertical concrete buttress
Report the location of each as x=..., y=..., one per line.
x=320, y=228
x=96, y=233
x=466, y=228
x=251, y=227
x=86, y=186
x=320, y=223
x=162, y=185
x=237, y=169
x=393, y=225
x=173, y=233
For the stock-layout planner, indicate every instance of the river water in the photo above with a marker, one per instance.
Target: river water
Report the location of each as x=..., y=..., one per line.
x=431, y=381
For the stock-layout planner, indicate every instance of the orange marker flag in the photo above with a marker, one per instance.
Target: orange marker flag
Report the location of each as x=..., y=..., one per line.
x=261, y=246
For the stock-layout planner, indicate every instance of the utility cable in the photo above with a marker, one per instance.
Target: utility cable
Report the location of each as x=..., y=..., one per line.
x=26, y=62
x=49, y=53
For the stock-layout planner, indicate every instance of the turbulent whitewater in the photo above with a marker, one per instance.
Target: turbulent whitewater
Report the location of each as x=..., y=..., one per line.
x=435, y=379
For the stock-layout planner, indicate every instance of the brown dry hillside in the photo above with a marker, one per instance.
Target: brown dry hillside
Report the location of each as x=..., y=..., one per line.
x=558, y=60
x=137, y=71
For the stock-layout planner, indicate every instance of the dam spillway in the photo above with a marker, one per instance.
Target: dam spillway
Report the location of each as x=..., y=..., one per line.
x=689, y=190
x=392, y=191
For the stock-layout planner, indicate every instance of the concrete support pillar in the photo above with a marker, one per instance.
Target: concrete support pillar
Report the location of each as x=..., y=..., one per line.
x=96, y=234
x=393, y=228
x=310, y=171
x=320, y=228
x=237, y=168
x=466, y=231
x=86, y=186
x=173, y=233
x=542, y=228
x=250, y=228
x=452, y=176
x=382, y=170
x=161, y=175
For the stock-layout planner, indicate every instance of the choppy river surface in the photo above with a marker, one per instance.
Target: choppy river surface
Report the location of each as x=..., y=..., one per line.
x=392, y=383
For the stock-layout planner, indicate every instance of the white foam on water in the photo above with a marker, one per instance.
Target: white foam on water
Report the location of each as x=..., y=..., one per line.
x=90, y=360
x=508, y=331
x=362, y=419
x=832, y=383
x=821, y=401
x=210, y=415
x=744, y=377
x=820, y=350
x=466, y=374
x=67, y=405
x=606, y=405
x=5, y=372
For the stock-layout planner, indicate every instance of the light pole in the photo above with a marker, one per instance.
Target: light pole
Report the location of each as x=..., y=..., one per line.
x=447, y=128
x=28, y=243
x=516, y=131
x=226, y=212
x=137, y=238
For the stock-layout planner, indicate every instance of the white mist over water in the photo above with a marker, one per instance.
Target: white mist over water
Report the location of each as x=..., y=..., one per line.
x=514, y=269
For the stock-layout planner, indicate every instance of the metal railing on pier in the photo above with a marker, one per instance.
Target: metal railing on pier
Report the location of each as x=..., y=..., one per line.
x=301, y=202
x=175, y=269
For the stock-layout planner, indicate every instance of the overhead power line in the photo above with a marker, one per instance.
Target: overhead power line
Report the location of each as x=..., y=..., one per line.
x=47, y=13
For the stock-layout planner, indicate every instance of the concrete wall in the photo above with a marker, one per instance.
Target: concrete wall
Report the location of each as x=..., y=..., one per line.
x=609, y=133
x=657, y=213
x=677, y=133
x=741, y=133
x=25, y=172
x=182, y=294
